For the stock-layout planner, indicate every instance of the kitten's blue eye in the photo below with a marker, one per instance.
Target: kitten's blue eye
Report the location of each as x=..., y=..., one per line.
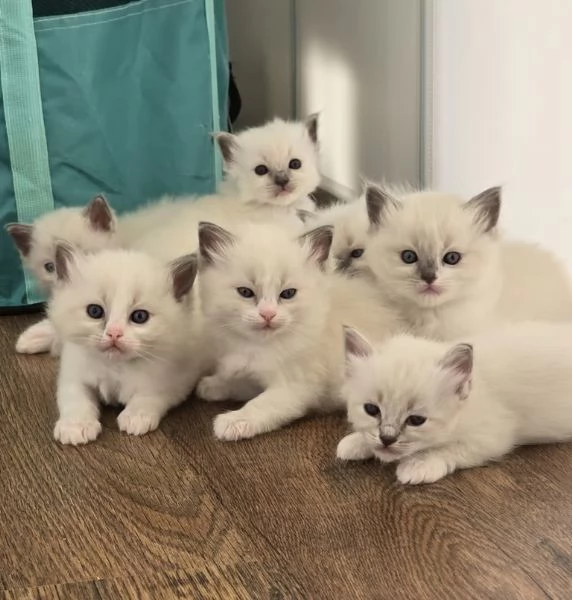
x=139, y=316
x=245, y=292
x=357, y=253
x=49, y=267
x=295, y=163
x=95, y=311
x=261, y=170
x=452, y=258
x=288, y=293
x=415, y=420
x=409, y=257
x=371, y=409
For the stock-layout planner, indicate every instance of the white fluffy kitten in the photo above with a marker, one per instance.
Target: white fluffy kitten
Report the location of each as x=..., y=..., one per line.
x=130, y=336
x=270, y=172
x=91, y=228
x=437, y=407
x=275, y=316
x=276, y=163
x=441, y=261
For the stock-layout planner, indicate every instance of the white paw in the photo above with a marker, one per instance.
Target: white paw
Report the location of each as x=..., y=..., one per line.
x=36, y=339
x=212, y=389
x=233, y=426
x=73, y=432
x=354, y=447
x=137, y=422
x=422, y=469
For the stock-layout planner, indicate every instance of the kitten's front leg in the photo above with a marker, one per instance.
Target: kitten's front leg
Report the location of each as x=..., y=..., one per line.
x=229, y=382
x=78, y=422
x=270, y=410
x=38, y=338
x=144, y=413
x=432, y=465
x=354, y=446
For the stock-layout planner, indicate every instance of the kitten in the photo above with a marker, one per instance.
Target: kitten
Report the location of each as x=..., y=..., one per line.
x=270, y=171
x=275, y=164
x=91, y=228
x=131, y=336
x=442, y=262
x=275, y=315
x=436, y=407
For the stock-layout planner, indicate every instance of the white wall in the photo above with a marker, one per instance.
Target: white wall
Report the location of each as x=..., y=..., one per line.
x=502, y=110
x=359, y=65
x=260, y=44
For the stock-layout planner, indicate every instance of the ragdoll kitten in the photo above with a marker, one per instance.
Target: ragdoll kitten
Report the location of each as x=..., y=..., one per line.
x=275, y=316
x=270, y=172
x=130, y=336
x=90, y=228
x=442, y=263
x=435, y=407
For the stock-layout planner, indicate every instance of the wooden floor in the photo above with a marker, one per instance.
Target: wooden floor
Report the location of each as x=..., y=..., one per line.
x=177, y=515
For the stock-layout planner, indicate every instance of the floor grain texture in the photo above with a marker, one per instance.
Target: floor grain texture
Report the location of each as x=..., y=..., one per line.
x=176, y=514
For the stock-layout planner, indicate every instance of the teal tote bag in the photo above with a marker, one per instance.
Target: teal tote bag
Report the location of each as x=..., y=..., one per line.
x=105, y=96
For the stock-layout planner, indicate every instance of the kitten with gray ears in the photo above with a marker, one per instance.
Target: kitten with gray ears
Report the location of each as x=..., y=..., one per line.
x=131, y=336
x=90, y=229
x=443, y=263
x=274, y=316
x=435, y=407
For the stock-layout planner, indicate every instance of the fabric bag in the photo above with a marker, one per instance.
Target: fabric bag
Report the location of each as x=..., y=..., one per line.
x=105, y=96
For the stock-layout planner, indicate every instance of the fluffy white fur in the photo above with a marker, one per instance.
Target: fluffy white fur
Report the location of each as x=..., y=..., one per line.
x=480, y=400
x=149, y=366
x=89, y=229
x=293, y=363
x=493, y=281
x=167, y=228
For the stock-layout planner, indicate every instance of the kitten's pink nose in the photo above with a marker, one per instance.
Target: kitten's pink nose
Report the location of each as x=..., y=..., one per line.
x=114, y=332
x=267, y=313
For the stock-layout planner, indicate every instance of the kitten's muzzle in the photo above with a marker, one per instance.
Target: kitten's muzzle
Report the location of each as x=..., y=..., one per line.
x=281, y=179
x=387, y=440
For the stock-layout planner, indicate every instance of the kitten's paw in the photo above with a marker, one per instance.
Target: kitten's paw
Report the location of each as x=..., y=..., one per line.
x=212, y=388
x=354, y=447
x=36, y=339
x=73, y=432
x=137, y=422
x=422, y=469
x=233, y=426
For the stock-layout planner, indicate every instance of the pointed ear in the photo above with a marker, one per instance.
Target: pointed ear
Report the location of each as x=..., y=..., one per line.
x=22, y=236
x=65, y=259
x=319, y=242
x=486, y=208
x=227, y=145
x=458, y=361
x=99, y=214
x=355, y=344
x=183, y=272
x=311, y=124
x=213, y=241
x=378, y=201
x=305, y=215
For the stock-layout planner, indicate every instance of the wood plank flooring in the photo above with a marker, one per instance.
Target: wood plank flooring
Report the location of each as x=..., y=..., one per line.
x=176, y=514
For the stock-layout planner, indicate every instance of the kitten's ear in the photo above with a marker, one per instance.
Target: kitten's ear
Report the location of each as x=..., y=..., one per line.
x=458, y=361
x=99, y=214
x=65, y=259
x=183, y=273
x=311, y=124
x=355, y=344
x=319, y=242
x=213, y=241
x=227, y=144
x=305, y=215
x=378, y=201
x=21, y=235
x=486, y=208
